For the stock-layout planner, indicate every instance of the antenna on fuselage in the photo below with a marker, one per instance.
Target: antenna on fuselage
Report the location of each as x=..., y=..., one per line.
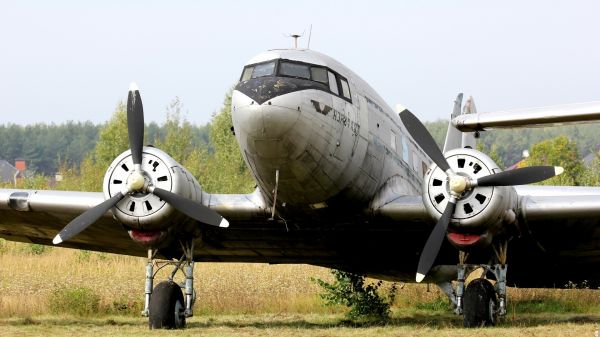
x=309, y=35
x=295, y=37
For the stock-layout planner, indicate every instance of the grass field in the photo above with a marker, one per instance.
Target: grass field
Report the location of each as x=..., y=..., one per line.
x=57, y=291
x=317, y=325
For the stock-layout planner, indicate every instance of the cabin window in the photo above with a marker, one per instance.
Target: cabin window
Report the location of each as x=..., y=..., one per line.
x=405, y=155
x=333, y=83
x=345, y=88
x=319, y=74
x=294, y=70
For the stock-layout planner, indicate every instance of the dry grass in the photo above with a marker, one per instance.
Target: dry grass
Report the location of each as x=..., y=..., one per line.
x=28, y=277
x=27, y=280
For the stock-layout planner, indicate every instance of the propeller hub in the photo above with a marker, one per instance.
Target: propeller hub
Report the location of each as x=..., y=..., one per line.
x=136, y=181
x=458, y=184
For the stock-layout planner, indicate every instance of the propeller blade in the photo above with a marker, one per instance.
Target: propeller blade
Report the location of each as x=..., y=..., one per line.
x=135, y=123
x=423, y=138
x=521, y=176
x=192, y=208
x=87, y=218
x=434, y=242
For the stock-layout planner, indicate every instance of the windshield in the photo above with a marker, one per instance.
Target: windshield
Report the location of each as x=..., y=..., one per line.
x=258, y=70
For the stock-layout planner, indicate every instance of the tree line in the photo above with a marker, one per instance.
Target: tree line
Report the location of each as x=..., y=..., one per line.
x=508, y=144
x=82, y=151
x=47, y=147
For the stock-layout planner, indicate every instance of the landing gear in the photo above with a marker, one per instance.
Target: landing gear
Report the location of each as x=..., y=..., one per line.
x=165, y=305
x=167, y=308
x=482, y=302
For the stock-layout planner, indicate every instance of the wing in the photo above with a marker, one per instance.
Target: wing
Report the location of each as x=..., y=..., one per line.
x=37, y=216
x=560, y=239
x=544, y=116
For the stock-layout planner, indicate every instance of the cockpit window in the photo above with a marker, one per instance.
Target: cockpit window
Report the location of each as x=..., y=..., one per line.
x=323, y=77
x=333, y=86
x=319, y=74
x=258, y=70
x=294, y=70
x=247, y=74
x=345, y=88
x=265, y=69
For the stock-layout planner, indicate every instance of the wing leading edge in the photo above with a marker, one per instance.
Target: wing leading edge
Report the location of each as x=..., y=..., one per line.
x=543, y=116
x=35, y=216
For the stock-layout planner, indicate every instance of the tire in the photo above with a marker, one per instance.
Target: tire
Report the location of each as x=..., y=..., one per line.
x=166, y=307
x=480, y=304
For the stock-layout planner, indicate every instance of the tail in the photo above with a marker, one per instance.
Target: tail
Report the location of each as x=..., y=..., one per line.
x=454, y=138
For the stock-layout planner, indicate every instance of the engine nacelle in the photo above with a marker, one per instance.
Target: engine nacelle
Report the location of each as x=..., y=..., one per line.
x=146, y=211
x=479, y=210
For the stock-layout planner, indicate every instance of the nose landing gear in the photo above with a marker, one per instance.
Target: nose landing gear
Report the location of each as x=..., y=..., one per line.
x=480, y=304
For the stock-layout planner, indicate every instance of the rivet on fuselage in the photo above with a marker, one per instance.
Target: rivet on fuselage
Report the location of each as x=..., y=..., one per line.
x=269, y=102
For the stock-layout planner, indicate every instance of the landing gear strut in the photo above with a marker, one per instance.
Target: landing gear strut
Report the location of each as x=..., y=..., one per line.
x=482, y=302
x=165, y=305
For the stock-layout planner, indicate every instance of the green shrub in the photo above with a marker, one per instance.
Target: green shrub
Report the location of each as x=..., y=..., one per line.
x=79, y=301
x=364, y=300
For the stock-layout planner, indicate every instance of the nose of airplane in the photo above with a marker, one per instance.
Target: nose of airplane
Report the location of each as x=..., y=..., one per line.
x=268, y=121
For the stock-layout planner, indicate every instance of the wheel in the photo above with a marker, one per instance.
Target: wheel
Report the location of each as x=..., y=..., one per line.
x=166, y=309
x=480, y=304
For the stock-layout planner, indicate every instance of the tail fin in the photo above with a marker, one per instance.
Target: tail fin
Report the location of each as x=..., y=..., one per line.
x=454, y=138
x=468, y=138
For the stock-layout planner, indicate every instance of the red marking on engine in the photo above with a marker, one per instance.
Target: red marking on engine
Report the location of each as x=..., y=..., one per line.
x=463, y=239
x=144, y=236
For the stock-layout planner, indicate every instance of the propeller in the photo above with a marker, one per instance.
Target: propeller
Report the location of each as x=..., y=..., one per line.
x=458, y=184
x=137, y=183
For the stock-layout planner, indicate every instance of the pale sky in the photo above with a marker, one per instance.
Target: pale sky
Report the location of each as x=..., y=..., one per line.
x=73, y=60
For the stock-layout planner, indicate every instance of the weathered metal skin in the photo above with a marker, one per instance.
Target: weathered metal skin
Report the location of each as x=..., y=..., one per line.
x=324, y=146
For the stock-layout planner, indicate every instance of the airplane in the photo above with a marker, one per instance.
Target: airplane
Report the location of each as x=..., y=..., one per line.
x=343, y=181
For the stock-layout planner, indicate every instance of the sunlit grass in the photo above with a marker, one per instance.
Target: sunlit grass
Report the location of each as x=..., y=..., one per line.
x=31, y=276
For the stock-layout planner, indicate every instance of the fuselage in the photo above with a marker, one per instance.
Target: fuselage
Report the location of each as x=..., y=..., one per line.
x=330, y=136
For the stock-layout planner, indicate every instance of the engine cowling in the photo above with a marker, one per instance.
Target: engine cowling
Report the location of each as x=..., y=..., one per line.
x=480, y=211
x=146, y=211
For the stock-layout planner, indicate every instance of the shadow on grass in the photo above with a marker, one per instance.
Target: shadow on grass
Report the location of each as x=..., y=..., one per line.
x=70, y=321
x=437, y=320
x=298, y=321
